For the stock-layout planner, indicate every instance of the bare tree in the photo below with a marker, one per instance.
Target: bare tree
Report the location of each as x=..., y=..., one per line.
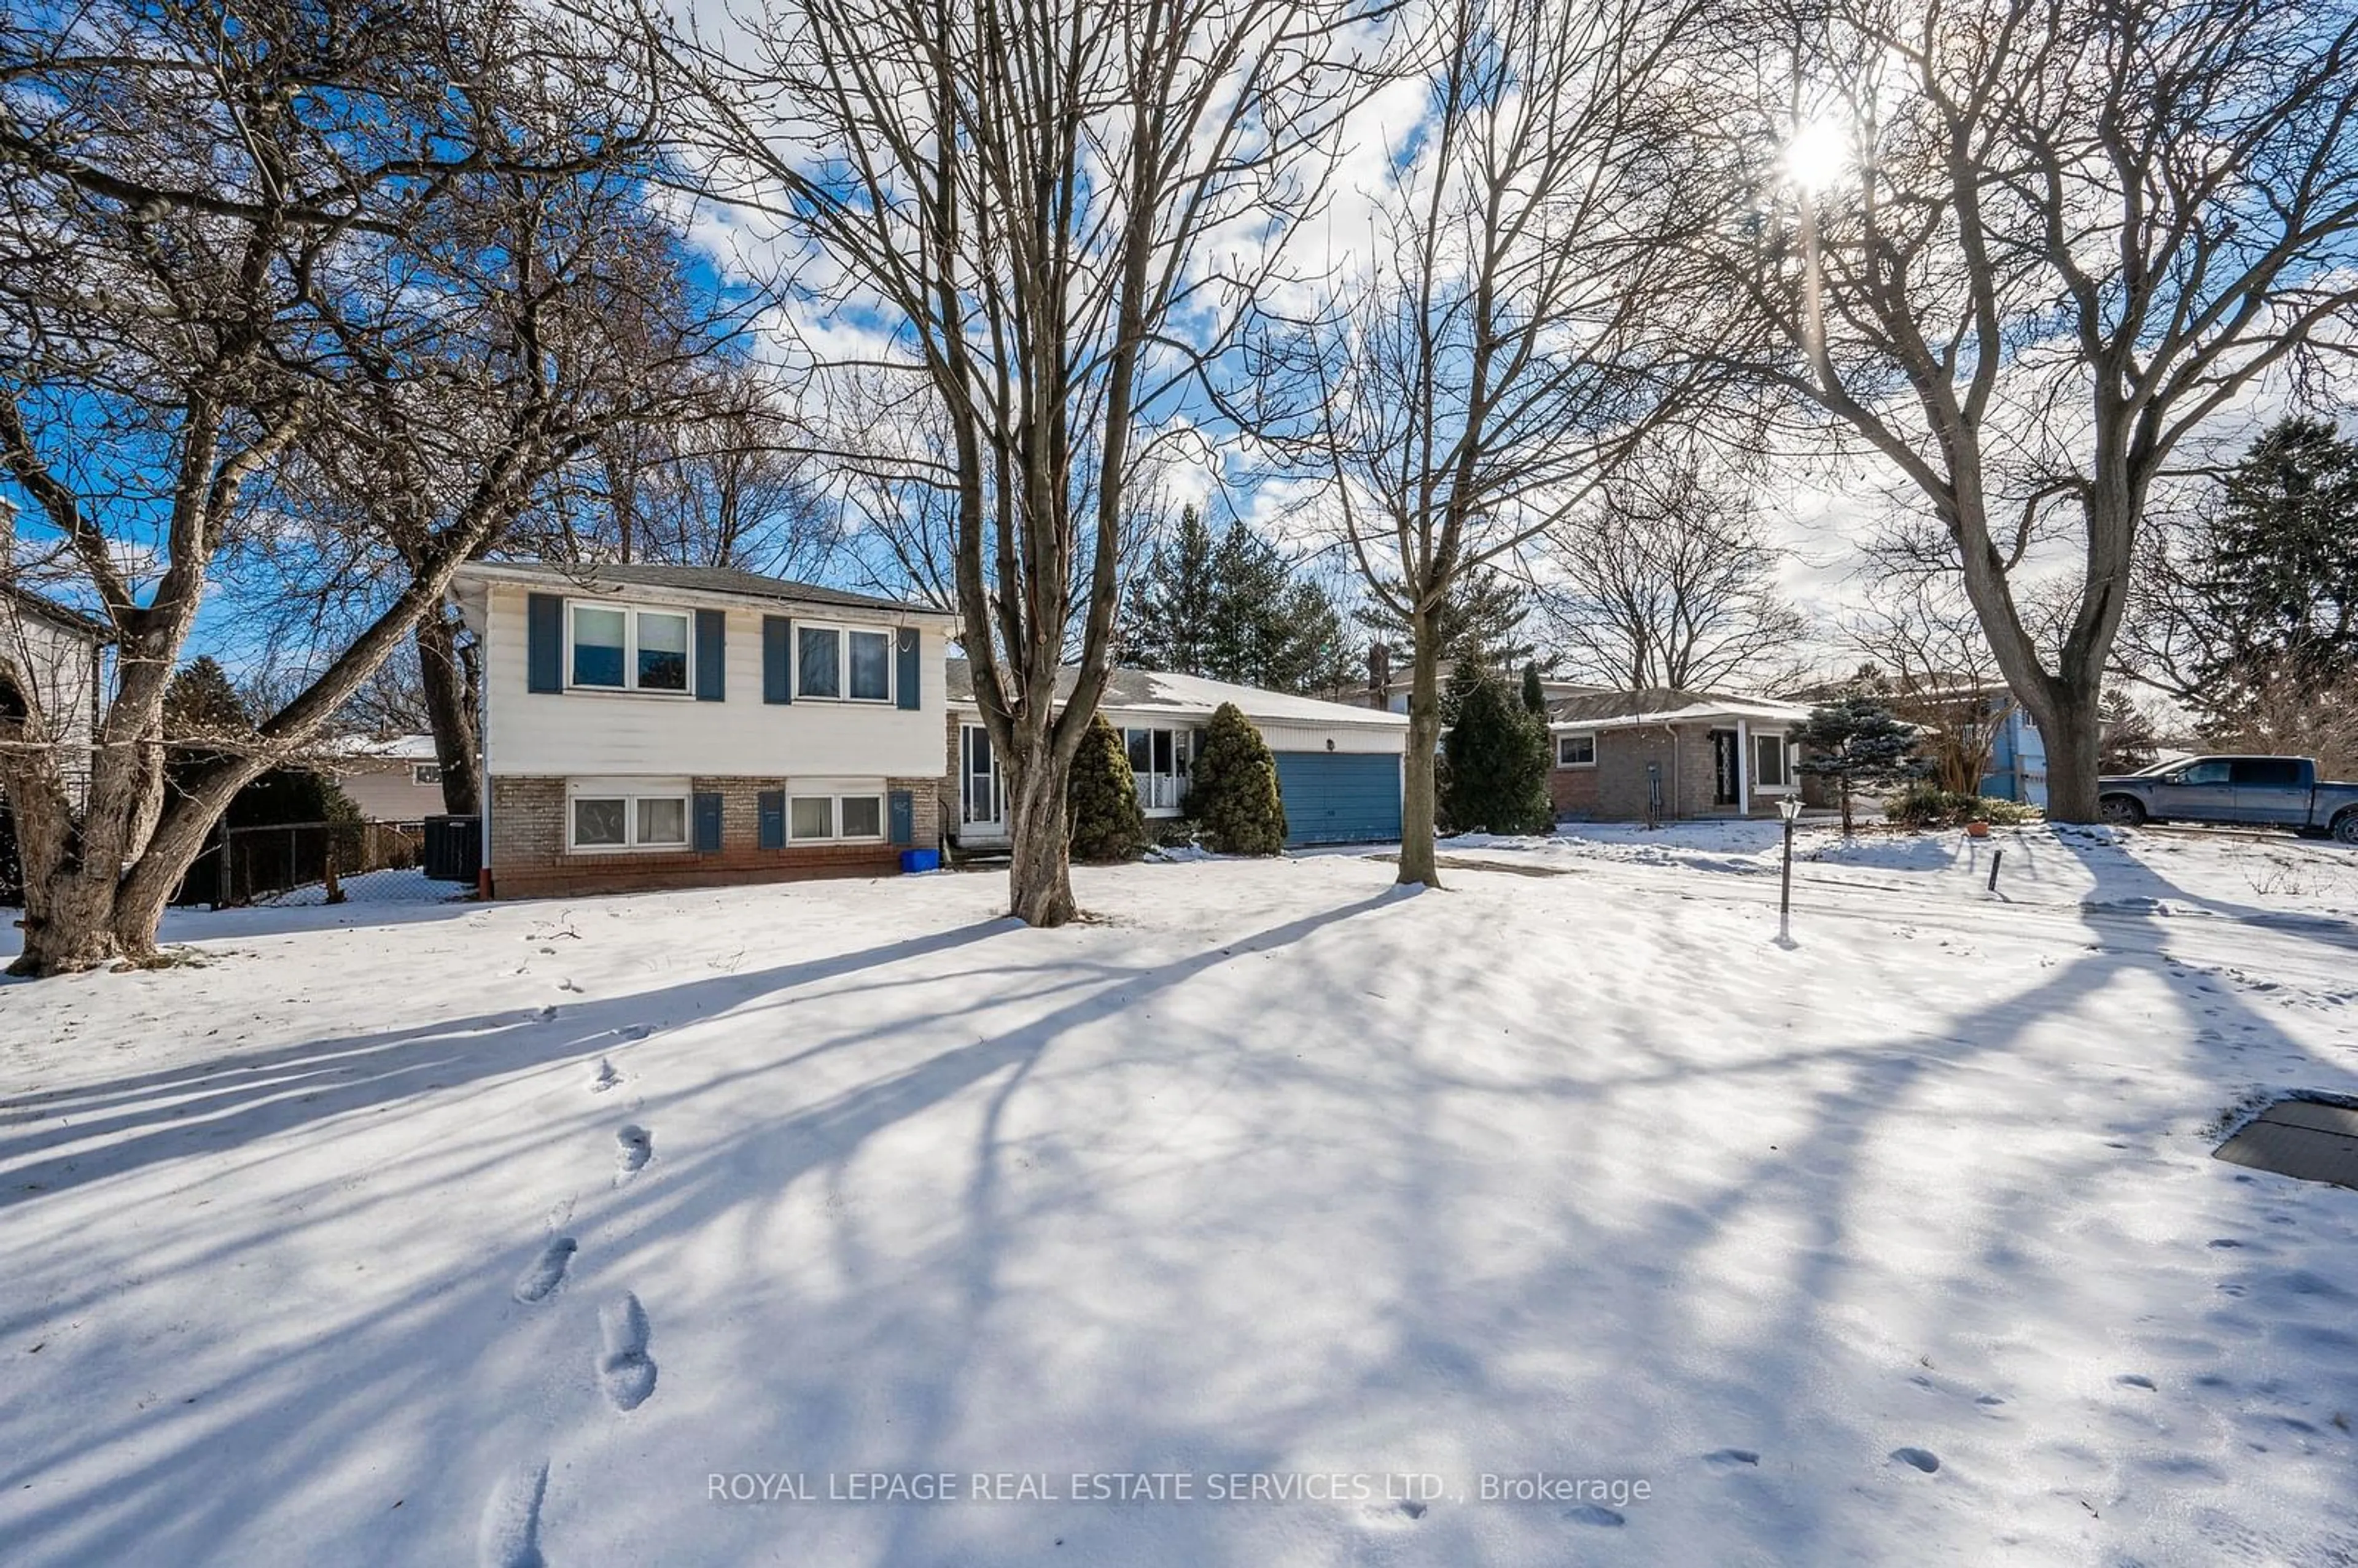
x=719, y=474
x=1051, y=211
x=2024, y=252
x=1668, y=581
x=236, y=246
x=1930, y=663
x=1500, y=353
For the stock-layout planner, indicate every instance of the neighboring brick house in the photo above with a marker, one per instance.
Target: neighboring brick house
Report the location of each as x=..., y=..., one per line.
x=661, y=726
x=1629, y=756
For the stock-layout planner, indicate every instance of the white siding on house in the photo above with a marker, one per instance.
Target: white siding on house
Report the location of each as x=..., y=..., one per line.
x=63, y=670
x=544, y=733
x=385, y=790
x=1314, y=737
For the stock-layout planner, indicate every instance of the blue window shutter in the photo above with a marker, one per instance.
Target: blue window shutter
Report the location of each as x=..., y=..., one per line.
x=777, y=637
x=905, y=680
x=711, y=655
x=772, y=809
x=544, y=642
x=900, y=808
x=706, y=810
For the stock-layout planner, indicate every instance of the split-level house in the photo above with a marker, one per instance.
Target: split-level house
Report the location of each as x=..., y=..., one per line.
x=649, y=726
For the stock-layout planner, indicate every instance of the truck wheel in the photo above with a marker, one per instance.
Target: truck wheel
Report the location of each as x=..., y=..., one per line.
x=2345, y=827
x=2121, y=810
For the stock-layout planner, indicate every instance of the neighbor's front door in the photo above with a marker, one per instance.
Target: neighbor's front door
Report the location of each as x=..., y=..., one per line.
x=1725, y=790
x=982, y=806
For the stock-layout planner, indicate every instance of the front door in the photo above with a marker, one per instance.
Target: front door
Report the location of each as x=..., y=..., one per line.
x=1725, y=783
x=982, y=803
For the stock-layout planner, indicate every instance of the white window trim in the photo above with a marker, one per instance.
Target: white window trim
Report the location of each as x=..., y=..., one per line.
x=1183, y=750
x=1588, y=735
x=417, y=772
x=1785, y=743
x=629, y=799
x=835, y=808
x=630, y=614
x=843, y=629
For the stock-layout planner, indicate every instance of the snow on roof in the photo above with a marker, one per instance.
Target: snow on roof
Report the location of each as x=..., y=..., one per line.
x=1150, y=691
x=1665, y=704
x=693, y=579
x=397, y=747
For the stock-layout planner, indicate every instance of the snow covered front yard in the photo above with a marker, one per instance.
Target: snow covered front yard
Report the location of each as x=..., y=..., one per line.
x=662, y=1229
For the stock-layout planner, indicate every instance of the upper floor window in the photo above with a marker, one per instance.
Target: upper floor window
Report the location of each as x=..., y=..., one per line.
x=426, y=772
x=844, y=662
x=629, y=650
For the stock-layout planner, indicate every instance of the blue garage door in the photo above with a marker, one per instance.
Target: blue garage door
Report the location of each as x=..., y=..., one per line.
x=1339, y=798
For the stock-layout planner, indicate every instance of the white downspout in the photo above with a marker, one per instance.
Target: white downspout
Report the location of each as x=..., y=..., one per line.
x=1743, y=768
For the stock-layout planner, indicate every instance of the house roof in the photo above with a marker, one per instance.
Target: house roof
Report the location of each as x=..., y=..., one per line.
x=398, y=747
x=1150, y=691
x=724, y=581
x=56, y=614
x=1666, y=705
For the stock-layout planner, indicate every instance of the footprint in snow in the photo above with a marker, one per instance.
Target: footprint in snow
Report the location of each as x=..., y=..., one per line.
x=2134, y=1380
x=546, y=1272
x=1923, y=1459
x=628, y=1375
x=508, y=1535
x=1595, y=1514
x=606, y=1077
x=1729, y=1458
x=638, y=1147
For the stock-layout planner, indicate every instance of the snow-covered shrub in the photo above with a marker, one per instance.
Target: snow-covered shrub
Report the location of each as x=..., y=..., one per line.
x=1233, y=797
x=1102, y=800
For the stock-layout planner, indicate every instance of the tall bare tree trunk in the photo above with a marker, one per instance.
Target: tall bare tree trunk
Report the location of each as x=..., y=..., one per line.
x=1418, y=863
x=1039, y=875
x=448, y=689
x=2073, y=728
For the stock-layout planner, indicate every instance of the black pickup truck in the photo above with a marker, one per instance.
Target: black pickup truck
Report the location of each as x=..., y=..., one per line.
x=2255, y=792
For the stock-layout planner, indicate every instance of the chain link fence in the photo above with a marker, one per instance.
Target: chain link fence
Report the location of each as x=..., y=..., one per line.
x=314, y=863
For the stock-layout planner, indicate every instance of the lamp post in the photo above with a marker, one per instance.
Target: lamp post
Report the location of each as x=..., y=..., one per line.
x=1789, y=808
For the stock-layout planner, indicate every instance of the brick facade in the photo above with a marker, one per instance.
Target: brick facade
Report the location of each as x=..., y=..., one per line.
x=1614, y=790
x=529, y=860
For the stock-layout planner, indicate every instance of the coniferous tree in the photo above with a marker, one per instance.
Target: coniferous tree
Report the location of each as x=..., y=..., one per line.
x=202, y=703
x=1534, y=694
x=1231, y=610
x=1496, y=755
x=2280, y=572
x=1168, y=620
x=1480, y=623
x=1857, y=744
x=2131, y=741
x=1233, y=796
x=1102, y=800
x=1247, y=637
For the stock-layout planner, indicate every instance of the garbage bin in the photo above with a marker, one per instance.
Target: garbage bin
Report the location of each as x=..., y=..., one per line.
x=454, y=848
